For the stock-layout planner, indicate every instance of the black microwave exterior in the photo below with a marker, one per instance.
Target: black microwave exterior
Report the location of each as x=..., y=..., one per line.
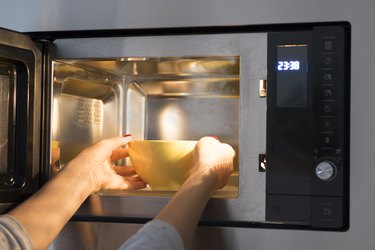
x=304, y=143
x=307, y=177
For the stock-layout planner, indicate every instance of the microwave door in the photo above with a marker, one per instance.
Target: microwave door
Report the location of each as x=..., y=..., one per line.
x=20, y=103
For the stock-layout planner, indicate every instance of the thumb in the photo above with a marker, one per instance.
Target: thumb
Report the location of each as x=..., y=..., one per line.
x=116, y=142
x=107, y=146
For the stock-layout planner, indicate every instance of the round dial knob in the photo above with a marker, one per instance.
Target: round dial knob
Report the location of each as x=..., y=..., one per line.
x=325, y=170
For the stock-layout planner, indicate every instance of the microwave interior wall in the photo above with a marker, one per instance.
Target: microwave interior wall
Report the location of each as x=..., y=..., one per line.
x=164, y=88
x=150, y=98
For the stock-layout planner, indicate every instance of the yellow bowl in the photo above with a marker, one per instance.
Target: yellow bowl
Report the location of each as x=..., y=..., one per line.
x=162, y=164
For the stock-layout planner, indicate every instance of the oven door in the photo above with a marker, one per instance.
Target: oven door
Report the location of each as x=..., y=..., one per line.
x=20, y=98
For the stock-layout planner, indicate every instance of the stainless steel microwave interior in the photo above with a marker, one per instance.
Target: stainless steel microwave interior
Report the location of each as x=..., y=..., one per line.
x=267, y=91
x=157, y=98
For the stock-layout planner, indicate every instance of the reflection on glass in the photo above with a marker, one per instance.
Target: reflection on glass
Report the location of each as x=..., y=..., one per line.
x=4, y=118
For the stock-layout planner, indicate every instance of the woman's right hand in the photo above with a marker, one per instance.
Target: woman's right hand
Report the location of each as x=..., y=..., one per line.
x=213, y=164
x=213, y=160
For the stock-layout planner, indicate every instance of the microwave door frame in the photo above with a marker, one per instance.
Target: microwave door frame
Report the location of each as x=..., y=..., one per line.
x=18, y=49
x=92, y=209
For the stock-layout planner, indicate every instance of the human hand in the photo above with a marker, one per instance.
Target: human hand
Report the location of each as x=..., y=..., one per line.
x=97, y=162
x=213, y=159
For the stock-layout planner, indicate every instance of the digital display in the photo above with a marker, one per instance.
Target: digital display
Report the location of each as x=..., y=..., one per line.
x=288, y=65
x=291, y=75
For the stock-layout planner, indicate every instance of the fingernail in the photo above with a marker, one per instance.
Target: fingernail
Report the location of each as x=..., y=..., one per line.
x=126, y=135
x=214, y=136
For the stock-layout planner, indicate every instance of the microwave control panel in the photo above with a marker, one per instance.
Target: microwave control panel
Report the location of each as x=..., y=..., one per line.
x=307, y=177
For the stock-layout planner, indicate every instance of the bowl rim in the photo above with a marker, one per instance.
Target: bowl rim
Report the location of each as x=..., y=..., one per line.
x=163, y=141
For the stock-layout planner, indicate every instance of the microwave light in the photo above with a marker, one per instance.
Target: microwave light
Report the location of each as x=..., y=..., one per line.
x=171, y=122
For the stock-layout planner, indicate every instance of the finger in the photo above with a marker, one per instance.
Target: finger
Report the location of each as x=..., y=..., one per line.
x=124, y=183
x=229, y=149
x=115, y=142
x=119, y=154
x=135, y=183
x=215, y=137
x=209, y=139
x=124, y=170
x=206, y=142
x=105, y=147
x=116, y=182
x=133, y=178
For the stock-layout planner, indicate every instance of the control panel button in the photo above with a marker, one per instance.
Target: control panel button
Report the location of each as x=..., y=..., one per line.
x=327, y=108
x=328, y=139
x=327, y=212
x=328, y=76
x=327, y=93
x=328, y=45
x=328, y=60
x=325, y=170
x=327, y=123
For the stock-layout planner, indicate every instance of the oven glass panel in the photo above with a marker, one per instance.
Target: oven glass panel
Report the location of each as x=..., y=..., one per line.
x=6, y=106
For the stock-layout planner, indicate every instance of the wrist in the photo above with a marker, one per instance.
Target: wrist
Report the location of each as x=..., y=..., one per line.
x=206, y=178
x=82, y=175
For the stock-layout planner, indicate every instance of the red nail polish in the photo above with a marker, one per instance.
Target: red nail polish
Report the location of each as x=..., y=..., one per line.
x=214, y=136
x=126, y=135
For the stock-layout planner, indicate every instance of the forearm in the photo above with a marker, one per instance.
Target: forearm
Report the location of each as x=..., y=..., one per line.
x=45, y=213
x=185, y=208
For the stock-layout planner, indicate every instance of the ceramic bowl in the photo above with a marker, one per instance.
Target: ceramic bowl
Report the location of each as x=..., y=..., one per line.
x=162, y=164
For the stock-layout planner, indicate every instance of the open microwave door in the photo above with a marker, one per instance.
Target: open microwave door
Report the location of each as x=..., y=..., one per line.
x=20, y=105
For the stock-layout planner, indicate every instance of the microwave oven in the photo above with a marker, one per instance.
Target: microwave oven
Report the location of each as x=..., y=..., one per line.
x=279, y=94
